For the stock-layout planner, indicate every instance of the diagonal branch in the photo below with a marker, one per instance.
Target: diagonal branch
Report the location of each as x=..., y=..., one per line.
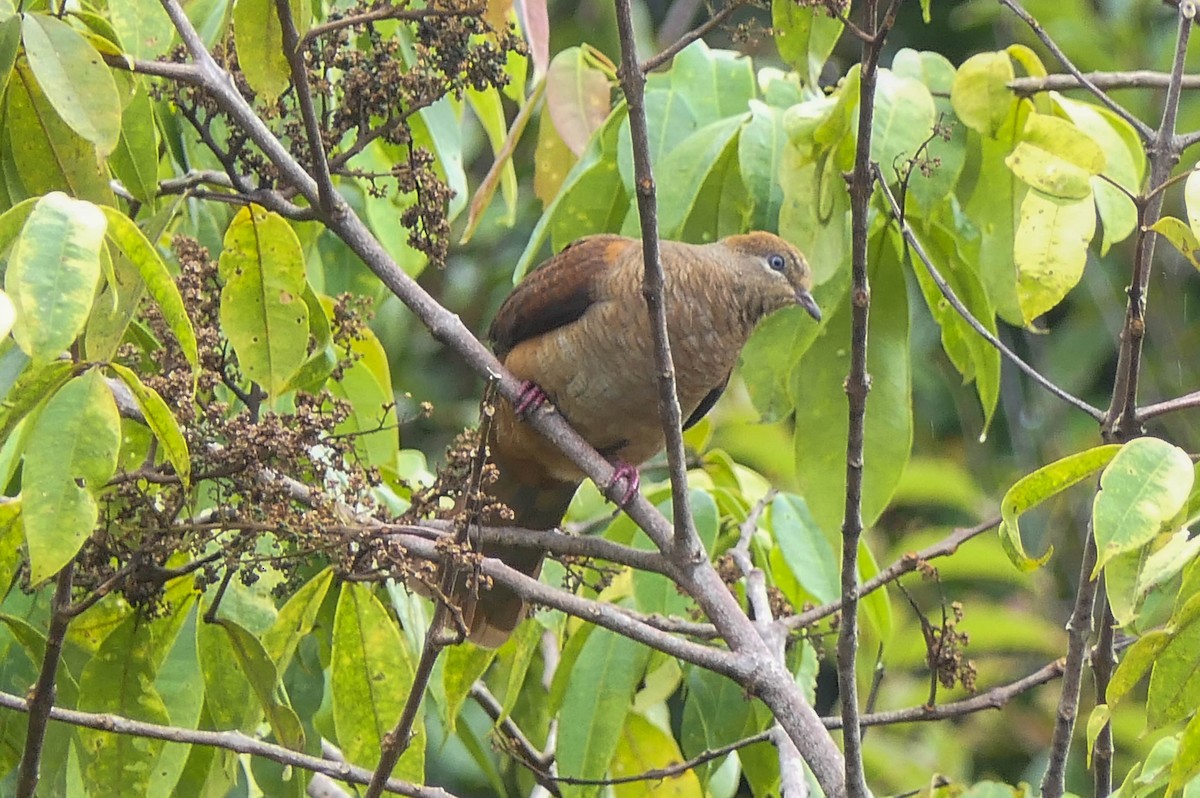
x=915, y=244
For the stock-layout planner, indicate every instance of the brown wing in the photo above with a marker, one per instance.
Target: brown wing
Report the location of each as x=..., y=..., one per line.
x=556, y=293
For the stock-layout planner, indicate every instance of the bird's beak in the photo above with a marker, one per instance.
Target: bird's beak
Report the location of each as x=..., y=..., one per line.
x=806, y=301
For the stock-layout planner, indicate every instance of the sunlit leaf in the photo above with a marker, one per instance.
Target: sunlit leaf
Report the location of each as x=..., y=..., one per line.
x=805, y=36
x=1056, y=157
x=161, y=421
x=980, y=93
x=1050, y=249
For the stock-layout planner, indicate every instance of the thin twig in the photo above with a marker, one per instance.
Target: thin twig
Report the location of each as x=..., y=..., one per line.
x=234, y=741
x=312, y=128
x=1079, y=628
x=1105, y=81
x=1141, y=127
x=857, y=387
x=1104, y=662
x=633, y=83
x=1185, y=402
x=915, y=244
x=527, y=754
x=396, y=741
x=401, y=11
x=655, y=61
x=44, y=690
x=1121, y=422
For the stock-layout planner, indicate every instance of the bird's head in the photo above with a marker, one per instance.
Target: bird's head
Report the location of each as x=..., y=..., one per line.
x=773, y=272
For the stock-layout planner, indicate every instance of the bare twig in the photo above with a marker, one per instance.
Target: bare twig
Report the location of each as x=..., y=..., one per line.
x=539, y=764
x=1079, y=628
x=312, y=128
x=633, y=83
x=1141, y=127
x=1121, y=421
x=234, y=741
x=1104, y=662
x=402, y=11
x=1184, y=402
x=1105, y=81
x=915, y=244
x=857, y=386
x=655, y=61
x=44, y=690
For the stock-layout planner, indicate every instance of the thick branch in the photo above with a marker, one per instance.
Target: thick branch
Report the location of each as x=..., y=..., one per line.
x=1105, y=81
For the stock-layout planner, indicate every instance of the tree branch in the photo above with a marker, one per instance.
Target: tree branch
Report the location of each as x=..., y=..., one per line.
x=1141, y=127
x=633, y=84
x=234, y=741
x=44, y=691
x=312, y=128
x=1104, y=81
x=654, y=62
x=915, y=244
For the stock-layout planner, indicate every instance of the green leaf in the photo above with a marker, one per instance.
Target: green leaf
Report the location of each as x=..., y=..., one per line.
x=13, y=220
x=685, y=169
x=980, y=93
x=1050, y=249
x=805, y=36
x=176, y=681
x=760, y=158
x=119, y=680
x=577, y=97
x=10, y=43
x=260, y=672
x=52, y=274
x=945, y=156
x=371, y=677
x=821, y=414
x=644, y=747
x=1191, y=198
x=1187, y=758
x=951, y=242
x=1056, y=158
x=599, y=155
x=75, y=79
x=805, y=549
x=134, y=244
x=1141, y=490
x=135, y=160
x=296, y=619
x=35, y=383
x=655, y=593
x=228, y=696
x=1135, y=664
x=144, y=27
x=44, y=153
x=904, y=119
x=259, y=40
x=1033, y=489
x=262, y=303
x=715, y=713
x=463, y=665
x=602, y=684
x=716, y=83
x=367, y=386
x=815, y=215
x=161, y=422
x=669, y=120
x=1175, y=680
x=1100, y=717
x=71, y=454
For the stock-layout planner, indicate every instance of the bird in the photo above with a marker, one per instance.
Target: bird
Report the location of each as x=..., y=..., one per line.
x=576, y=332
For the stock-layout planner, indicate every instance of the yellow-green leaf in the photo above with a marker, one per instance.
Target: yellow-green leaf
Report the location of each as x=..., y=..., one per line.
x=52, y=274
x=75, y=79
x=161, y=422
x=1033, y=489
x=980, y=93
x=263, y=312
x=71, y=454
x=1050, y=249
x=1056, y=157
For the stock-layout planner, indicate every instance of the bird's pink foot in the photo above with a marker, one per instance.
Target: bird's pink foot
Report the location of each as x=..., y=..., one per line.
x=624, y=472
x=531, y=398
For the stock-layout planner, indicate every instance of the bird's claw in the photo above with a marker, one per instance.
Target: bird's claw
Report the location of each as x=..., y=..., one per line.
x=531, y=398
x=624, y=472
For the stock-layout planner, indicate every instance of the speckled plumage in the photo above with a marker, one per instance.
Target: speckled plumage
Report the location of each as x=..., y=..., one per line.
x=579, y=328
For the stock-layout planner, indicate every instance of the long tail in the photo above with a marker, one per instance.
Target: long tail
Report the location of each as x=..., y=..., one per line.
x=492, y=614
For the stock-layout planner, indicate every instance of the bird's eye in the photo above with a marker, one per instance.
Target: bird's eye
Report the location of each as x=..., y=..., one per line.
x=777, y=262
